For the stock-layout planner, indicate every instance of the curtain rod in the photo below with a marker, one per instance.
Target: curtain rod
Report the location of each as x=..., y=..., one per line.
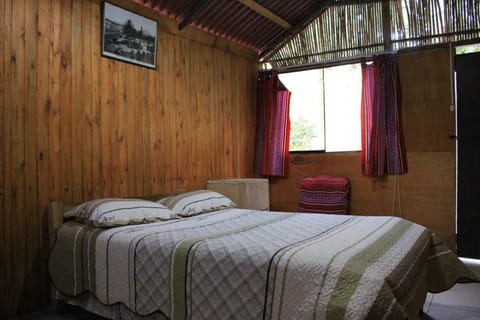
x=331, y=63
x=358, y=58
x=375, y=45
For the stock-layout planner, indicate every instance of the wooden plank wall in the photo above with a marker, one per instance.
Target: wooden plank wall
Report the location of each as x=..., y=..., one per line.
x=75, y=125
x=426, y=194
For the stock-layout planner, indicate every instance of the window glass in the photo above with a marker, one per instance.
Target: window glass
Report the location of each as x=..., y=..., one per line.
x=306, y=109
x=325, y=108
x=343, y=86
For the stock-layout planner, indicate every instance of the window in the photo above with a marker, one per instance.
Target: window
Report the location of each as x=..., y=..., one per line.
x=471, y=48
x=325, y=108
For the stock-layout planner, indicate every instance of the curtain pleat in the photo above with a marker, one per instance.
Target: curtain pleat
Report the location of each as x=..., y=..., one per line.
x=383, y=145
x=273, y=126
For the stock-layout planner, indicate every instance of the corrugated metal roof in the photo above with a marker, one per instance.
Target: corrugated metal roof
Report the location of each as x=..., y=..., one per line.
x=254, y=24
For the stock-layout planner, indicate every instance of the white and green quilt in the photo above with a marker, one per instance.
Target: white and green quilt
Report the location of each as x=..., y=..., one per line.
x=244, y=264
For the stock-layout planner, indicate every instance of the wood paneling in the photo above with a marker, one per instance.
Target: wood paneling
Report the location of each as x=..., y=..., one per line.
x=428, y=121
x=76, y=125
x=426, y=194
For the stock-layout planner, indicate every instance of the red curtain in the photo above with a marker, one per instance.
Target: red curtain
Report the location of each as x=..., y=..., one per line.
x=383, y=145
x=273, y=126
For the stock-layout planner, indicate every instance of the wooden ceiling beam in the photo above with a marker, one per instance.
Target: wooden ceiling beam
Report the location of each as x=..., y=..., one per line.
x=294, y=30
x=255, y=6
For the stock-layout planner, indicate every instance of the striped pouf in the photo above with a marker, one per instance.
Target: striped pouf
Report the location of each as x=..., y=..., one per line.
x=324, y=194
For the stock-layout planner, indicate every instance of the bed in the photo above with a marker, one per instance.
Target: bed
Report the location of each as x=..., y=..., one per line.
x=196, y=256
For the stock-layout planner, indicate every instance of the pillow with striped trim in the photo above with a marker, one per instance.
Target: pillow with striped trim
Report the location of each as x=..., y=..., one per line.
x=111, y=212
x=195, y=202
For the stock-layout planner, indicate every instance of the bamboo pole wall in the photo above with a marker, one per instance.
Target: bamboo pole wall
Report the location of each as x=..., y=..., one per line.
x=75, y=125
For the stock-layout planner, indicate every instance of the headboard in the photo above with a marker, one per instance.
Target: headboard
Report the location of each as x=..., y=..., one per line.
x=56, y=209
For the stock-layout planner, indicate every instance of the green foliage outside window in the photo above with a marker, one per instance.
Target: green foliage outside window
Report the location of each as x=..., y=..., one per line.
x=468, y=49
x=302, y=132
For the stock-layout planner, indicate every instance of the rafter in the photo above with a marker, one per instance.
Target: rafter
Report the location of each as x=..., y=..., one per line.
x=289, y=33
x=266, y=13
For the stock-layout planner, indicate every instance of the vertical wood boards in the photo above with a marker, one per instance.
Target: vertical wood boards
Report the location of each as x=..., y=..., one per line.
x=77, y=114
x=6, y=127
x=76, y=125
x=3, y=236
x=32, y=223
x=19, y=228
x=43, y=107
x=86, y=100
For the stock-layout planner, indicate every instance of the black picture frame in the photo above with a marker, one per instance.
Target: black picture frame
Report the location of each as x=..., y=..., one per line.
x=128, y=36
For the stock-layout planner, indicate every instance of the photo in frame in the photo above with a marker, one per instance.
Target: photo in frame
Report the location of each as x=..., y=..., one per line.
x=128, y=36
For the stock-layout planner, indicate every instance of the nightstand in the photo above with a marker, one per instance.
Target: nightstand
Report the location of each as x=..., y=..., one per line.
x=252, y=193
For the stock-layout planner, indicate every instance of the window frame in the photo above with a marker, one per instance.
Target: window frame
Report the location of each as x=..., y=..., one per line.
x=324, y=134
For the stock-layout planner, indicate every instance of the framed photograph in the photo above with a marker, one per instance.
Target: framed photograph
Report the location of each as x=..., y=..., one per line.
x=128, y=36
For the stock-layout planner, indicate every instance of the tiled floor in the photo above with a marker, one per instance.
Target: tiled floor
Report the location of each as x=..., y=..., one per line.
x=462, y=302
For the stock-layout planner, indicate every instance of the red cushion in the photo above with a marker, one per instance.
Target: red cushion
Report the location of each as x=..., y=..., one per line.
x=324, y=194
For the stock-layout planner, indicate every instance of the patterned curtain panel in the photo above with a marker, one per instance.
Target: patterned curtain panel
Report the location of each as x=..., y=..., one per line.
x=383, y=145
x=273, y=126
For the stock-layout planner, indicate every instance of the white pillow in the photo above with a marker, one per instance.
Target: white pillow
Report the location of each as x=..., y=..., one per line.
x=196, y=202
x=110, y=212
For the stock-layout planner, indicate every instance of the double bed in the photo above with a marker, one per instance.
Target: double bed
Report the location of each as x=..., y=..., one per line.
x=196, y=256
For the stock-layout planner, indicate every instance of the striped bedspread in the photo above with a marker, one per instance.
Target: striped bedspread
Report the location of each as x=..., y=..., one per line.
x=243, y=264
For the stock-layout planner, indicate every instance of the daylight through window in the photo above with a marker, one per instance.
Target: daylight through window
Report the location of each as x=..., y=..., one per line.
x=325, y=108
